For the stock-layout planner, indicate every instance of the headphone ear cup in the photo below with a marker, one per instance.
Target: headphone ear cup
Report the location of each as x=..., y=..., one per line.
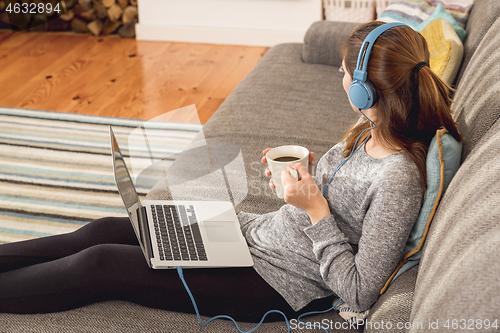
x=374, y=92
x=361, y=94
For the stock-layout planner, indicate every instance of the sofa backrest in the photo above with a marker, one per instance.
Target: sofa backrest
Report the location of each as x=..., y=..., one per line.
x=458, y=273
x=459, y=269
x=477, y=99
x=482, y=16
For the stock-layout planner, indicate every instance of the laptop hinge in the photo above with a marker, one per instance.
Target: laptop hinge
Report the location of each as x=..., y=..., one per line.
x=146, y=234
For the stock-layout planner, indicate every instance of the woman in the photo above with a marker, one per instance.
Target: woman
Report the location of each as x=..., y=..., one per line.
x=346, y=242
x=358, y=228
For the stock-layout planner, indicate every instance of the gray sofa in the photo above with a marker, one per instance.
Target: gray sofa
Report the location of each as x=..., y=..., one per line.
x=295, y=95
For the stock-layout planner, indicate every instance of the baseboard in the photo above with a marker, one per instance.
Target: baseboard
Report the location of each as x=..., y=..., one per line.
x=215, y=35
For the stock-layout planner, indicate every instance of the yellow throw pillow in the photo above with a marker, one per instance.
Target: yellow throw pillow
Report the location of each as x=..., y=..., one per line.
x=445, y=48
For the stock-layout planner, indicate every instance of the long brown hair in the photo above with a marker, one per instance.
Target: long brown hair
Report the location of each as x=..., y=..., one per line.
x=412, y=104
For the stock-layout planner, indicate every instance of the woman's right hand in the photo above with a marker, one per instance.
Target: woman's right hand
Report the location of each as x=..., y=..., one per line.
x=268, y=172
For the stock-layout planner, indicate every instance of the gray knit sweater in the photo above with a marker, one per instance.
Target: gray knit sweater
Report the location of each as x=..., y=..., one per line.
x=351, y=253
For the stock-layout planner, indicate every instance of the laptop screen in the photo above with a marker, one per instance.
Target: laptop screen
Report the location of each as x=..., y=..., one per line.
x=125, y=185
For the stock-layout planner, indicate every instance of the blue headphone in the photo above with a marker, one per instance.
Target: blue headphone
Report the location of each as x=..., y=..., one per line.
x=361, y=91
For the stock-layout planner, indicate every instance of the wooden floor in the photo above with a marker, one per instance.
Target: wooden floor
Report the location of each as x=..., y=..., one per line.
x=113, y=76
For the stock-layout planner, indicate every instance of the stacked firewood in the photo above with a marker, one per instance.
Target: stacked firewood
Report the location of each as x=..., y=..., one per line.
x=104, y=17
x=98, y=17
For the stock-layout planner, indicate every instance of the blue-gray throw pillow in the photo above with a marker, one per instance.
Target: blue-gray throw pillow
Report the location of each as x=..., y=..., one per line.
x=443, y=161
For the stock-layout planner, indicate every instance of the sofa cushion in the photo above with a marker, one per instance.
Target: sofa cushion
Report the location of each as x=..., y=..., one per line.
x=411, y=12
x=477, y=99
x=445, y=48
x=394, y=307
x=414, y=12
x=443, y=160
x=125, y=317
x=441, y=13
x=113, y=317
x=459, y=269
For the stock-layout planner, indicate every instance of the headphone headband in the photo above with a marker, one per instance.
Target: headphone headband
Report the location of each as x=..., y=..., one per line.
x=364, y=53
x=361, y=94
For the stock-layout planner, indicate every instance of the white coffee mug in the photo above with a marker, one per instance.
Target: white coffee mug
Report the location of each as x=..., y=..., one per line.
x=278, y=159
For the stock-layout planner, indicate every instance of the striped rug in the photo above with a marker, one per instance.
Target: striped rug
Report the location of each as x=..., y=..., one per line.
x=56, y=170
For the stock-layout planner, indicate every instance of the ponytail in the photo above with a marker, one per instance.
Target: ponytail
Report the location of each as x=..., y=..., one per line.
x=435, y=104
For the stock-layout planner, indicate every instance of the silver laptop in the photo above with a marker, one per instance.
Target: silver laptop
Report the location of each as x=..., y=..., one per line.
x=181, y=233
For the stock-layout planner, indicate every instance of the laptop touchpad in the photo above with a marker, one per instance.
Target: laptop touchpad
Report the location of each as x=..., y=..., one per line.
x=221, y=231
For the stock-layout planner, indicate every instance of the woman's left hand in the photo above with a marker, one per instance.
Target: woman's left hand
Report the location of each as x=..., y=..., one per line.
x=305, y=193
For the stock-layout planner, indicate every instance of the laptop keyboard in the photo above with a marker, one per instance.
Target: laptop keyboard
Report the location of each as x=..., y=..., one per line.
x=177, y=233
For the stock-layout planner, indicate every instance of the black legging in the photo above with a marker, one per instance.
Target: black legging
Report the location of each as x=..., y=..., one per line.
x=103, y=261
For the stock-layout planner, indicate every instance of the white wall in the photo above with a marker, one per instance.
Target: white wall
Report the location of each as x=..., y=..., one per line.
x=239, y=22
